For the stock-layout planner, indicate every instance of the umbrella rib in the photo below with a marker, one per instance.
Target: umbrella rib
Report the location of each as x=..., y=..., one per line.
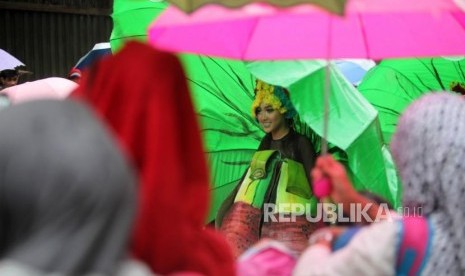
x=244, y=54
x=436, y=74
x=399, y=73
x=225, y=99
x=218, y=93
x=241, y=83
x=211, y=76
x=326, y=91
x=424, y=84
x=406, y=91
x=459, y=68
x=236, y=80
x=364, y=35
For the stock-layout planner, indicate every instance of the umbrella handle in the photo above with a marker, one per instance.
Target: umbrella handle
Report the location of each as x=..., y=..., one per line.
x=326, y=92
x=322, y=187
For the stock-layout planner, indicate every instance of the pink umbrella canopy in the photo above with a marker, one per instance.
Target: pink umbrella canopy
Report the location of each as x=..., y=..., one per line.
x=370, y=29
x=49, y=88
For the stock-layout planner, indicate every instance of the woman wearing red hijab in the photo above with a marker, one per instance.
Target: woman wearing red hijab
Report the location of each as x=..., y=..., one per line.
x=143, y=96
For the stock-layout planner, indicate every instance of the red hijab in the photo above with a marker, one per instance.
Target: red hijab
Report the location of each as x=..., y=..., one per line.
x=143, y=96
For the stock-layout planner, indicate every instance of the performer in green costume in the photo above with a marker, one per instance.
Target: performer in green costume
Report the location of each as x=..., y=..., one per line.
x=277, y=182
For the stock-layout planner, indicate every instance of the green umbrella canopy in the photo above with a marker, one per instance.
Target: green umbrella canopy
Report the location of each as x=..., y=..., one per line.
x=353, y=123
x=335, y=6
x=394, y=84
x=131, y=19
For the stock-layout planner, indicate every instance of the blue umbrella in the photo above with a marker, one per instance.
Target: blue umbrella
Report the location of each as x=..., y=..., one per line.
x=354, y=69
x=100, y=50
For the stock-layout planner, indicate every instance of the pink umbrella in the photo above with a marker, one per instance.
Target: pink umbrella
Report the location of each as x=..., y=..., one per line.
x=373, y=29
x=50, y=88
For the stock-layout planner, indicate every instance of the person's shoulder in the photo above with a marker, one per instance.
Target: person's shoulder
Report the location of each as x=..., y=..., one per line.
x=302, y=139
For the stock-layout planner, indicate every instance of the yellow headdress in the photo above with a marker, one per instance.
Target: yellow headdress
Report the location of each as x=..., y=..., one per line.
x=274, y=96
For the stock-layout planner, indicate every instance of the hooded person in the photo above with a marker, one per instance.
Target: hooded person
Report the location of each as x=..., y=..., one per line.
x=428, y=148
x=67, y=193
x=142, y=94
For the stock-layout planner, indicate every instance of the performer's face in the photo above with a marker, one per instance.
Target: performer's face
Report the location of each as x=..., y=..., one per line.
x=270, y=119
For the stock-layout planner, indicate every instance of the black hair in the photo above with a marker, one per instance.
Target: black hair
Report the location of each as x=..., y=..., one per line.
x=9, y=73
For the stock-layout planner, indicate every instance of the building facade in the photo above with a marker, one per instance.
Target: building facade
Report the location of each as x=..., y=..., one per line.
x=50, y=36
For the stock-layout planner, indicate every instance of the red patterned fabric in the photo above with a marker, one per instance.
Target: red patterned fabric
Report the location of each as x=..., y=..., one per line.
x=142, y=94
x=241, y=227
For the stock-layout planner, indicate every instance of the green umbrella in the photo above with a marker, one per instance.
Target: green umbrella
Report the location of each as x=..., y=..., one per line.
x=335, y=6
x=131, y=19
x=353, y=123
x=394, y=84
